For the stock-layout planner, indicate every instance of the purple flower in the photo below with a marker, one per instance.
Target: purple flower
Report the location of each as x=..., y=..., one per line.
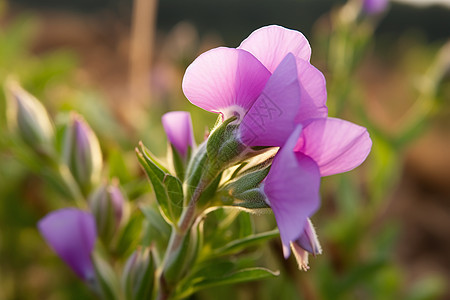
x=280, y=100
x=71, y=233
x=292, y=190
x=178, y=127
x=372, y=7
x=267, y=82
x=323, y=147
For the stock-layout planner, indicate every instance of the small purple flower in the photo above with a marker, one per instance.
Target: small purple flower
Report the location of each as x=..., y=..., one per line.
x=373, y=7
x=178, y=127
x=267, y=82
x=71, y=233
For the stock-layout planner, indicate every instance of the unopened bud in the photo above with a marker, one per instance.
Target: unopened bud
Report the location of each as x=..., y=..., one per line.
x=29, y=118
x=107, y=205
x=178, y=128
x=82, y=153
x=139, y=274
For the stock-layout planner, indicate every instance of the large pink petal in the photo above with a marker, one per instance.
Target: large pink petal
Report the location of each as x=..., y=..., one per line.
x=270, y=120
x=71, y=233
x=292, y=187
x=314, y=92
x=270, y=44
x=225, y=80
x=335, y=145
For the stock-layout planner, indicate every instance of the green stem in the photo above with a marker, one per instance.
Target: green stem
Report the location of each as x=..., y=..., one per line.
x=177, y=236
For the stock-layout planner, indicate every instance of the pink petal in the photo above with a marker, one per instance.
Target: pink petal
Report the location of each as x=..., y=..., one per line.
x=71, y=233
x=270, y=120
x=178, y=128
x=335, y=145
x=292, y=188
x=225, y=80
x=270, y=44
x=314, y=92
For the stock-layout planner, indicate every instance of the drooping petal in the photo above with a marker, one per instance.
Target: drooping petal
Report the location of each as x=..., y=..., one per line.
x=71, y=233
x=178, y=127
x=225, y=80
x=270, y=120
x=308, y=240
x=292, y=188
x=270, y=44
x=335, y=145
x=313, y=90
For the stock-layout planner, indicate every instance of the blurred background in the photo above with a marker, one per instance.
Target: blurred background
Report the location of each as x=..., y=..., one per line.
x=385, y=227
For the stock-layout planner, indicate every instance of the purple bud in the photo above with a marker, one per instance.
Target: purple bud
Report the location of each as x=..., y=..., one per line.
x=107, y=205
x=29, y=117
x=178, y=127
x=138, y=274
x=71, y=233
x=82, y=153
x=373, y=7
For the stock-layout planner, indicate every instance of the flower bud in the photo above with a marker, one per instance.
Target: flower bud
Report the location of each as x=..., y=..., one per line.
x=29, y=117
x=178, y=127
x=71, y=233
x=107, y=205
x=82, y=153
x=138, y=275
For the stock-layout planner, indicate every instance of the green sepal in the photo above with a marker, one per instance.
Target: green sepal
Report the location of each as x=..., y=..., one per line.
x=168, y=189
x=251, y=199
x=248, y=181
x=223, y=147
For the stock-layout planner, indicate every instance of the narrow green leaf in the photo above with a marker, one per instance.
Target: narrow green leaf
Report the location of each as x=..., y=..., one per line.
x=244, y=275
x=244, y=243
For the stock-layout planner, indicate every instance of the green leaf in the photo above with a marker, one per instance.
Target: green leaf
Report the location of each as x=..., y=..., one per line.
x=244, y=243
x=240, y=276
x=168, y=189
